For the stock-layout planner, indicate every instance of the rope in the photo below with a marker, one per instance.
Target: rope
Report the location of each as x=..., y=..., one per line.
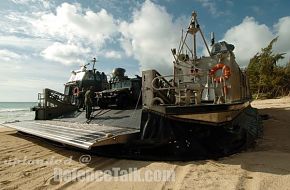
x=139, y=97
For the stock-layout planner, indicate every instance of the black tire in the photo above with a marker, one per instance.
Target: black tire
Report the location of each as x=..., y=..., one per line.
x=122, y=101
x=102, y=104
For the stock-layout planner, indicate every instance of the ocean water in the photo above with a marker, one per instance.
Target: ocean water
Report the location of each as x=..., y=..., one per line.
x=12, y=111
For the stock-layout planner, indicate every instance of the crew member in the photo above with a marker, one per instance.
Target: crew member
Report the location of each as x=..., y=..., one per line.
x=89, y=102
x=80, y=98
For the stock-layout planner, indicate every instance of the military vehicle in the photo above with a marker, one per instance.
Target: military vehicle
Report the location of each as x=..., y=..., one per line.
x=81, y=80
x=53, y=104
x=201, y=110
x=123, y=91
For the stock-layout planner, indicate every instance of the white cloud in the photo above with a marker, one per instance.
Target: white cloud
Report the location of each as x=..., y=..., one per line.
x=257, y=10
x=21, y=42
x=150, y=36
x=250, y=36
x=282, y=29
x=65, y=53
x=7, y=55
x=126, y=43
x=113, y=54
x=44, y=3
x=217, y=7
x=71, y=23
x=22, y=1
x=210, y=5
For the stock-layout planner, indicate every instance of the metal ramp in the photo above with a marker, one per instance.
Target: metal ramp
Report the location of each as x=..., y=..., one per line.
x=84, y=136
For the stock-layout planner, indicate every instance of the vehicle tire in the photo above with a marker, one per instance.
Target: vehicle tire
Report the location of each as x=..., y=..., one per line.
x=102, y=104
x=122, y=101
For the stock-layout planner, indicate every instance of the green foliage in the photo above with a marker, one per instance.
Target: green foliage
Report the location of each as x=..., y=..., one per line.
x=266, y=78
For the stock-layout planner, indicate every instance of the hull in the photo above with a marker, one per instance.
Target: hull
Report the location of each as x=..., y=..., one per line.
x=190, y=137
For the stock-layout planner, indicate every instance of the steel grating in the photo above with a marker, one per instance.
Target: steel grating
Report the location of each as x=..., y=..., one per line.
x=74, y=134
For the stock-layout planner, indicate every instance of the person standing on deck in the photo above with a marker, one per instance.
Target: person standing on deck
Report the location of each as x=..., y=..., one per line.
x=81, y=98
x=89, y=102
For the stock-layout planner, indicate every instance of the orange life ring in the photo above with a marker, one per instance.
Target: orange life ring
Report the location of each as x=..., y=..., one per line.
x=226, y=72
x=76, y=91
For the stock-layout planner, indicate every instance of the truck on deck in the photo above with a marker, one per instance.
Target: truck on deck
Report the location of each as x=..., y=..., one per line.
x=123, y=91
x=52, y=104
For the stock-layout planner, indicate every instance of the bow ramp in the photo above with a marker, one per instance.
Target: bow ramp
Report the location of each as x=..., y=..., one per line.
x=102, y=130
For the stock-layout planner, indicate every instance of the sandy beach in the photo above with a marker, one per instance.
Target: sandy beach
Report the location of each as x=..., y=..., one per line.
x=30, y=163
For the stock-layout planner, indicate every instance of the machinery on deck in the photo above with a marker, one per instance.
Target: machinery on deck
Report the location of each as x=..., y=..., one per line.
x=123, y=91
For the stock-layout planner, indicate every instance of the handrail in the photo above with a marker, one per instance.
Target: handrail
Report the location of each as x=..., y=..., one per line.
x=50, y=98
x=163, y=77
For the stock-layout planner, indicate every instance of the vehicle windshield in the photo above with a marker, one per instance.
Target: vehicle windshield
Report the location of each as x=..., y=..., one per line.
x=121, y=84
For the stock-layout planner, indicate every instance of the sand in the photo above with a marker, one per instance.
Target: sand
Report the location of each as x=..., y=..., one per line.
x=267, y=166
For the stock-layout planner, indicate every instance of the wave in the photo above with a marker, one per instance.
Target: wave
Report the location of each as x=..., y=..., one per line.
x=14, y=110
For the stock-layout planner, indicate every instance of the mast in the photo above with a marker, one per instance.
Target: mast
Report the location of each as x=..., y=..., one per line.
x=94, y=62
x=194, y=35
x=193, y=29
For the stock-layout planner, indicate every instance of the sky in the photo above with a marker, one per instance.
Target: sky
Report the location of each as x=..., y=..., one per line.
x=42, y=41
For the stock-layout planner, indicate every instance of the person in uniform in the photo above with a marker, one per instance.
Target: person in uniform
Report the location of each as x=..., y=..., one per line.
x=89, y=102
x=81, y=98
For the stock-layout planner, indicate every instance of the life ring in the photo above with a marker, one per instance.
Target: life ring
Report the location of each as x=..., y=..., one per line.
x=76, y=91
x=225, y=69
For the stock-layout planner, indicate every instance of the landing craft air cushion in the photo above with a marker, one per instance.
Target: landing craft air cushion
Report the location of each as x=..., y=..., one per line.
x=202, y=109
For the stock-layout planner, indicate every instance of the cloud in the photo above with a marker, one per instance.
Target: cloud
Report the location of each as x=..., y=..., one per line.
x=282, y=29
x=126, y=42
x=44, y=3
x=250, y=36
x=146, y=37
x=210, y=5
x=22, y=1
x=257, y=10
x=113, y=54
x=65, y=53
x=71, y=22
x=7, y=55
x=75, y=28
x=149, y=37
x=22, y=42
